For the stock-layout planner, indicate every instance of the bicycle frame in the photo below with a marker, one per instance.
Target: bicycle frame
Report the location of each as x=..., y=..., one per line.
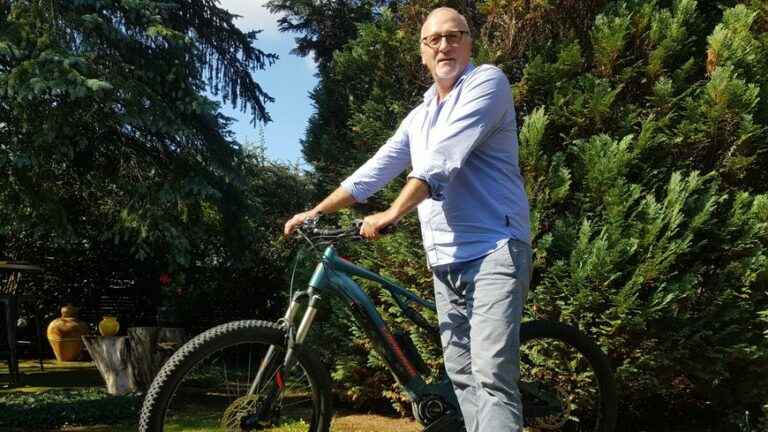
x=332, y=275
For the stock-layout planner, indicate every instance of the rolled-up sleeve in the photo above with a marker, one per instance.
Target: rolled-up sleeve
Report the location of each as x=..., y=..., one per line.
x=389, y=161
x=485, y=99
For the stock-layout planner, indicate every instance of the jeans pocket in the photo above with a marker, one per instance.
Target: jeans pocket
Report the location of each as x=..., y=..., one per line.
x=522, y=256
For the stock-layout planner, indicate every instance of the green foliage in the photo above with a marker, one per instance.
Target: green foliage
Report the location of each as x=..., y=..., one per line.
x=643, y=139
x=668, y=36
x=240, y=267
x=56, y=408
x=102, y=117
x=642, y=144
x=116, y=163
x=382, y=52
x=648, y=267
x=324, y=28
x=608, y=38
x=733, y=42
x=644, y=265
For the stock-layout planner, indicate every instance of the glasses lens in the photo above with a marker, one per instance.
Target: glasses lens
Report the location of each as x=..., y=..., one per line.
x=452, y=38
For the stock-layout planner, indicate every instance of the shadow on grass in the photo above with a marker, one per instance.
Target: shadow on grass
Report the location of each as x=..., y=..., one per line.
x=54, y=375
x=83, y=379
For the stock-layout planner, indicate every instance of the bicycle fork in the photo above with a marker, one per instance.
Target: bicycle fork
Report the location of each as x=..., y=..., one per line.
x=293, y=340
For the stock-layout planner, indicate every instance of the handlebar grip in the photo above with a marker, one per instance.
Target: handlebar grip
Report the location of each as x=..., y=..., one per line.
x=389, y=229
x=353, y=229
x=329, y=232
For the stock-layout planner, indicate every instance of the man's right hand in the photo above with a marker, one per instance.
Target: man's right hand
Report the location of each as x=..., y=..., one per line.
x=297, y=220
x=339, y=198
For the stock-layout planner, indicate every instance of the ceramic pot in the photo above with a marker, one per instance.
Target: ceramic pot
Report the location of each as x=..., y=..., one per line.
x=109, y=326
x=64, y=335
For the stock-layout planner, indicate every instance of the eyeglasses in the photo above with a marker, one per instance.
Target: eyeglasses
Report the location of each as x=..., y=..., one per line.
x=453, y=38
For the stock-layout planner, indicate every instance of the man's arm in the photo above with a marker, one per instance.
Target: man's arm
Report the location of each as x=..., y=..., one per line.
x=391, y=159
x=414, y=192
x=337, y=200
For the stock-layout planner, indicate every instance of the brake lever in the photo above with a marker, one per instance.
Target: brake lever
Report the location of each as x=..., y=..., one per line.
x=311, y=223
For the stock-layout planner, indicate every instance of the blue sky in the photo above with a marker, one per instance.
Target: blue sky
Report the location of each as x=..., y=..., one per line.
x=289, y=81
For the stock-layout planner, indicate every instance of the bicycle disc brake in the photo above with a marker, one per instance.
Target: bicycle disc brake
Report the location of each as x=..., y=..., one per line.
x=238, y=411
x=248, y=413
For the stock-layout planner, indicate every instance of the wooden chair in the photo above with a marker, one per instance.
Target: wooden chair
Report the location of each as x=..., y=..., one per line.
x=10, y=315
x=9, y=302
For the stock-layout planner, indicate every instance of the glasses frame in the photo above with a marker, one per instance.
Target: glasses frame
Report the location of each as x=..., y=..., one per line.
x=444, y=36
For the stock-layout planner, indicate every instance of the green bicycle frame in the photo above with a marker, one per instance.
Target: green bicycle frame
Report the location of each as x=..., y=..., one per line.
x=332, y=274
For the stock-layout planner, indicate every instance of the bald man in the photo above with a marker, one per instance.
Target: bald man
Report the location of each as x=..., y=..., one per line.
x=461, y=143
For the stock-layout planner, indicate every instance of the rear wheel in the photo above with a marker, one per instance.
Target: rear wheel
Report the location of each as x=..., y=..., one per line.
x=205, y=385
x=565, y=380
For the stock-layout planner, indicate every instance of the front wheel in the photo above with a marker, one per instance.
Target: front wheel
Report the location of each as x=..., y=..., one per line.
x=206, y=385
x=566, y=382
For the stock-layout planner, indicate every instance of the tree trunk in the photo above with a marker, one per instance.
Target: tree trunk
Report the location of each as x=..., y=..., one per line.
x=130, y=363
x=111, y=354
x=150, y=348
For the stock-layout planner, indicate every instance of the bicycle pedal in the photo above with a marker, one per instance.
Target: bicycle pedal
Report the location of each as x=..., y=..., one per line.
x=447, y=423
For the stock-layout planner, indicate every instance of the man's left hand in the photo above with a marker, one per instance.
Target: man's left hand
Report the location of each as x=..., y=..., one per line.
x=374, y=223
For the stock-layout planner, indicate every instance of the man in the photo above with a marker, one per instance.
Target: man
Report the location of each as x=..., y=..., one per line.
x=461, y=142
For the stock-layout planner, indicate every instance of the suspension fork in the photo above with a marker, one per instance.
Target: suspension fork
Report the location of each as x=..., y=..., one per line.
x=293, y=340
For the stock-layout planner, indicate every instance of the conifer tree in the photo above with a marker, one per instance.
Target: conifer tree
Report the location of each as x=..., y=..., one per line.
x=104, y=121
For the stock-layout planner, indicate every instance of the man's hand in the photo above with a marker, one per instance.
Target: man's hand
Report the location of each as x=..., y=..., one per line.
x=374, y=223
x=339, y=198
x=297, y=220
x=414, y=192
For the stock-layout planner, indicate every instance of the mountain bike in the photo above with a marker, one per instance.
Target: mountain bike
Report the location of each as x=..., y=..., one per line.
x=263, y=376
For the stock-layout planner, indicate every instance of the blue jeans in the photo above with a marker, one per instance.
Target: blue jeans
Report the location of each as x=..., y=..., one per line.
x=479, y=307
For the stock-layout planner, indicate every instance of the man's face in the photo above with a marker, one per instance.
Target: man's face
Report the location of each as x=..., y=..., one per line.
x=445, y=62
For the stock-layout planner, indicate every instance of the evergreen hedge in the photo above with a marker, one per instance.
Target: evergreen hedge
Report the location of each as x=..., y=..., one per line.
x=643, y=143
x=56, y=408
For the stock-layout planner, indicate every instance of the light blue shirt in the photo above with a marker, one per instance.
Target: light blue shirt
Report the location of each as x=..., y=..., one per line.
x=465, y=148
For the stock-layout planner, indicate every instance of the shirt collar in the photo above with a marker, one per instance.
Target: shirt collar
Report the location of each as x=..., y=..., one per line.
x=432, y=90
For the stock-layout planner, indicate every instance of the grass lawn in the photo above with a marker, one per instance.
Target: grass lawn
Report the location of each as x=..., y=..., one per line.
x=83, y=375
x=55, y=375
x=342, y=423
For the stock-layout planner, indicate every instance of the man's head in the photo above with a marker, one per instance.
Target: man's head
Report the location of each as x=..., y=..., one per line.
x=446, y=45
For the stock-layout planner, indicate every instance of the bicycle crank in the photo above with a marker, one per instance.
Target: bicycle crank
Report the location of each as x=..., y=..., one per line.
x=448, y=423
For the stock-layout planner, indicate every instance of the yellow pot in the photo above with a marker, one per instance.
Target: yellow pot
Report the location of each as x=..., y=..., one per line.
x=64, y=335
x=109, y=326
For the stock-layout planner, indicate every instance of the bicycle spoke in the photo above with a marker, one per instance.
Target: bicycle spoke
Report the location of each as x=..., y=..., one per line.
x=227, y=401
x=565, y=391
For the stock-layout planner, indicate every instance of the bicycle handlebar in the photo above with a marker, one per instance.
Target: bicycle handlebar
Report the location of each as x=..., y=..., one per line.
x=352, y=231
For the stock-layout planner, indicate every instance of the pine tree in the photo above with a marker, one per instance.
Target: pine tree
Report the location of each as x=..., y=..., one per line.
x=104, y=121
x=115, y=159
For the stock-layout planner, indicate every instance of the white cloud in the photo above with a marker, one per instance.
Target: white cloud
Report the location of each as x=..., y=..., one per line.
x=253, y=16
x=310, y=63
